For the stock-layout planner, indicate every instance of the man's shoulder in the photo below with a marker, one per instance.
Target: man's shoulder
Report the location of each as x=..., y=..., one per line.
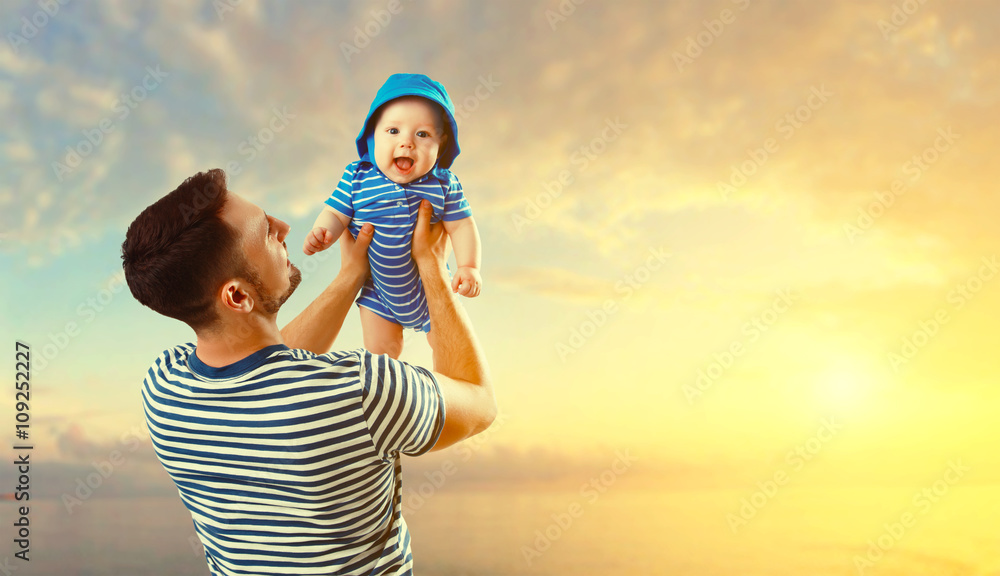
x=334, y=357
x=181, y=362
x=171, y=364
x=180, y=352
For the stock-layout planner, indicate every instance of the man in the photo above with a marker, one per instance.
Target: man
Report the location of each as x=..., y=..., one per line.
x=288, y=455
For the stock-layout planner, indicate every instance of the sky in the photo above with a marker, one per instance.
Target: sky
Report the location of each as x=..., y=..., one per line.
x=714, y=233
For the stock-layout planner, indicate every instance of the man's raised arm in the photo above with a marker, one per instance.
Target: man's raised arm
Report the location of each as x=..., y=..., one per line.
x=316, y=327
x=459, y=363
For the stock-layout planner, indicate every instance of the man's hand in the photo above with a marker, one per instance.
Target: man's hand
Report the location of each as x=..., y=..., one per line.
x=430, y=243
x=467, y=281
x=318, y=240
x=354, y=254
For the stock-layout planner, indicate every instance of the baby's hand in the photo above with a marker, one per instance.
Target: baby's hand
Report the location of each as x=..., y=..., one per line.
x=467, y=281
x=318, y=240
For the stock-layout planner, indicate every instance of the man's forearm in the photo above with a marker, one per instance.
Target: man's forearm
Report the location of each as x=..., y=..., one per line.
x=457, y=353
x=316, y=327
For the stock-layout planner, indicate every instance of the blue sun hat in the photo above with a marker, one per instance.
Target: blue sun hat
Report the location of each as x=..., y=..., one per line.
x=397, y=86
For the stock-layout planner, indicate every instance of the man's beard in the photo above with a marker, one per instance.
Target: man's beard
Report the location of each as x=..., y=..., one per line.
x=269, y=302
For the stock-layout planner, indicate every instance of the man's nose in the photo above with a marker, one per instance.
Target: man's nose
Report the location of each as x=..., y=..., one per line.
x=283, y=229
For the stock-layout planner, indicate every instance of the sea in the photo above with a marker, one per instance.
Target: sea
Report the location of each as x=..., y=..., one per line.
x=829, y=531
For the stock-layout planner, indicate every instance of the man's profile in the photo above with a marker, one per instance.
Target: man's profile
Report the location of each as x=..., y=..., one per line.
x=286, y=454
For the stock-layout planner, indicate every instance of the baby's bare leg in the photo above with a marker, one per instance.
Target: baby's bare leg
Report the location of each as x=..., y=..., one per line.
x=381, y=336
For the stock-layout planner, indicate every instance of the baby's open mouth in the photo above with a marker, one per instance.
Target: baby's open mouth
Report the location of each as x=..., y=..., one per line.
x=403, y=164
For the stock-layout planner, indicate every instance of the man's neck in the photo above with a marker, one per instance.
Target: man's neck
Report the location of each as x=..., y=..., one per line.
x=237, y=341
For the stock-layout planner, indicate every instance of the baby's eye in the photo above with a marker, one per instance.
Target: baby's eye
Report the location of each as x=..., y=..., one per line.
x=393, y=130
x=423, y=134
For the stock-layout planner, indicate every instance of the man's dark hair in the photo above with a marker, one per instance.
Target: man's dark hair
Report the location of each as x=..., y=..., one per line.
x=179, y=250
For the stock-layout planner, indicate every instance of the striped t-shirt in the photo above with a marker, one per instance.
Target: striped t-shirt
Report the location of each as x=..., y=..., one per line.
x=364, y=194
x=289, y=461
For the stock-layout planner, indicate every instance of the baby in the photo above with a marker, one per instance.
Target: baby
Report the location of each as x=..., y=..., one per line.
x=406, y=144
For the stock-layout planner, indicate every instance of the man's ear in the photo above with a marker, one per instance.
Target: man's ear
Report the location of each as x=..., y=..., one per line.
x=235, y=297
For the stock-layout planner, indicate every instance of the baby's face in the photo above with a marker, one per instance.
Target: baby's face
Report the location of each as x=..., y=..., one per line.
x=408, y=136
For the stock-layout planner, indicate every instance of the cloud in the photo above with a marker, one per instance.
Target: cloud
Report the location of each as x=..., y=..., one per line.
x=478, y=465
x=557, y=90
x=75, y=445
x=558, y=284
x=122, y=466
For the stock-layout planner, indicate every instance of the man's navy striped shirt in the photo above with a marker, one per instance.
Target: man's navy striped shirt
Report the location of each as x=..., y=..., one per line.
x=289, y=461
